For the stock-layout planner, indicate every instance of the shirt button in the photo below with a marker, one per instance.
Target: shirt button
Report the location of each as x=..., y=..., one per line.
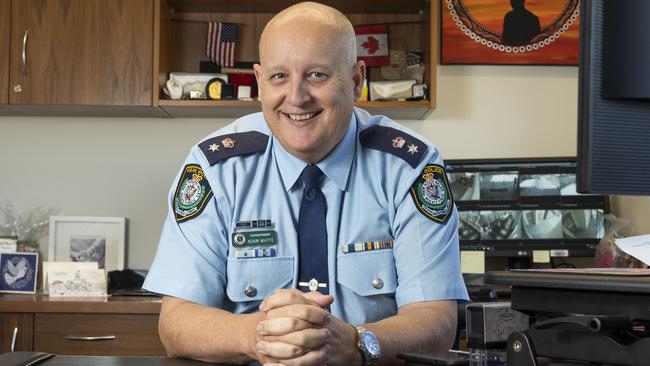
x=250, y=291
x=378, y=283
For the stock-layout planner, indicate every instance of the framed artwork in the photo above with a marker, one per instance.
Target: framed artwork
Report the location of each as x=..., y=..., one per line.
x=18, y=272
x=525, y=32
x=88, y=239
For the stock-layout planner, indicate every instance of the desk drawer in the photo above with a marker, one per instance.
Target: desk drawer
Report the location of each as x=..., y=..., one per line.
x=98, y=334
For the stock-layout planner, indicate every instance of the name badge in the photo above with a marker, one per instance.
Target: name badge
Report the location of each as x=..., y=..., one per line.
x=254, y=238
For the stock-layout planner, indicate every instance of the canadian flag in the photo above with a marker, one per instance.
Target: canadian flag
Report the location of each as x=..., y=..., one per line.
x=372, y=44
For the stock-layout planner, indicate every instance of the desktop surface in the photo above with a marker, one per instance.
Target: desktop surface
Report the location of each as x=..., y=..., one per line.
x=44, y=359
x=573, y=280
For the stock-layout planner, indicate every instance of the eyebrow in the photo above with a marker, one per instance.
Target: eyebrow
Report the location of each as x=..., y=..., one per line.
x=278, y=67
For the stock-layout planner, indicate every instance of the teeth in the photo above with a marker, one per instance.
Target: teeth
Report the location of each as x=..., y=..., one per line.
x=301, y=117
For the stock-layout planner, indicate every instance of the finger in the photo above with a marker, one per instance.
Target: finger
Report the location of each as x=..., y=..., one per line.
x=280, y=350
x=306, y=339
x=320, y=299
x=319, y=357
x=283, y=297
x=310, y=313
x=264, y=359
x=281, y=326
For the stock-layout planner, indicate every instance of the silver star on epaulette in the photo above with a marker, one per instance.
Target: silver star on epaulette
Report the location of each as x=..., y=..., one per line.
x=214, y=147
x=413, y=149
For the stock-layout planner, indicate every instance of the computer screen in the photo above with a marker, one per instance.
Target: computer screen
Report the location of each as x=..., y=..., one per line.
x=614, y=98
x=512, y=207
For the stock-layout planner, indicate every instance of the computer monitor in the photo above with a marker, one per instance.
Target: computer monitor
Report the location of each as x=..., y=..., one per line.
x=514, y=207
x=614, y=98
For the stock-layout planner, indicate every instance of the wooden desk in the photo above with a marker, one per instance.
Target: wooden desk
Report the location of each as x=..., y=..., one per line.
x=22, y=358
x=121, y=325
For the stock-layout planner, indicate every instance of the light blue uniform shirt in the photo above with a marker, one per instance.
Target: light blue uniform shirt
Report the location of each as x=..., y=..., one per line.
x=368, y=198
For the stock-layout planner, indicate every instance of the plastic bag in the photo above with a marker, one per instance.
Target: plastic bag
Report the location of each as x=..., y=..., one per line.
x=607, y=253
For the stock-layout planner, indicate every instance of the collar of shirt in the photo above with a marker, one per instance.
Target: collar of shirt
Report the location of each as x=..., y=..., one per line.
x=336, y=165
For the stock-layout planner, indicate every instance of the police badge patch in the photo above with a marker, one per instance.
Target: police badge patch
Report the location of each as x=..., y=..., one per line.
x=192, y=193
x=432, y=195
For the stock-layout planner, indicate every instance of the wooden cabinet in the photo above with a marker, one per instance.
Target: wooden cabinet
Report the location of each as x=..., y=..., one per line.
x=89, y=334
x=90, y=52
x=5, y=9
x=123, y=326
x=80, y=56
x=16, y=329
x=111, y=57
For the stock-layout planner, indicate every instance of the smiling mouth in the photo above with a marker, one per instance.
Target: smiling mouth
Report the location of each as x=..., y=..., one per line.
x=302, y=116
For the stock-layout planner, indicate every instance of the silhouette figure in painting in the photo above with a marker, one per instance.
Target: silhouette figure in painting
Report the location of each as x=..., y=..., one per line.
x=519, y=25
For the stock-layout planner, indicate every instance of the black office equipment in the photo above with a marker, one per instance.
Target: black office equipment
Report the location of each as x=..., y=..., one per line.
x=511, y=207
x=127, y=282
x=589, y=317
x=614, y=97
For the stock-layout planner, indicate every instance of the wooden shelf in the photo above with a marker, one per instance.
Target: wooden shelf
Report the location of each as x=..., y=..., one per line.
x=238, y=108
x=182, y=27
x=265, y=6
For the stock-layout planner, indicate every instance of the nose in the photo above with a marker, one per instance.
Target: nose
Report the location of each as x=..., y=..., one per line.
x=298, y=93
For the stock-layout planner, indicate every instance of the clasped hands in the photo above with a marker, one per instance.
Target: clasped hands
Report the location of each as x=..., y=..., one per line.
x=296, y=329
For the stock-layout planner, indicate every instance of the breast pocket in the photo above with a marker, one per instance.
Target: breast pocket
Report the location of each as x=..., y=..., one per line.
x=257, y=278
x=368, y=273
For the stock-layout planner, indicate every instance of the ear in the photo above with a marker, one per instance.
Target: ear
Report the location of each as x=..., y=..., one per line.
x=358, y=76
x=258, y=78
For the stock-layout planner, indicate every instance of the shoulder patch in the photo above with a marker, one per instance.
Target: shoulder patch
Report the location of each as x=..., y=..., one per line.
x=431, y=193
x=223, y=147
x=394, y=141
x=192, y=193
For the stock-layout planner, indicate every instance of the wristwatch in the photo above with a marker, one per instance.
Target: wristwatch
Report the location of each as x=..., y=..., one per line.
x=368, y=345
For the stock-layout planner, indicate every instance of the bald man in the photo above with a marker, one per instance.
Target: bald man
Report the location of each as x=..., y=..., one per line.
x=312, y=233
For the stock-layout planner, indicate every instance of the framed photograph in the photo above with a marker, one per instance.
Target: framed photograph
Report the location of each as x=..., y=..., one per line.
x=527, y=32
x=88, y=239
x=18, y=272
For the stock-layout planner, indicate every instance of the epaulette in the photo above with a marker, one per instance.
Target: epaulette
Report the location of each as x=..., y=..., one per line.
x=394, y=141
x=223, y=147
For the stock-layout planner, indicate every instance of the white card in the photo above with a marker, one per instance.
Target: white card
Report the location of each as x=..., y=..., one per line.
x=7, y=245
x=63, y=266
x=81, y=282
x=636, y=246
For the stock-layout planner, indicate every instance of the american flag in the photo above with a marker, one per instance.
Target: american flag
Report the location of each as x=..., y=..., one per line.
x=221, y=41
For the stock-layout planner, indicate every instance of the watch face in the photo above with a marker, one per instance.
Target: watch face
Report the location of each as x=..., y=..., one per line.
x=371, y=344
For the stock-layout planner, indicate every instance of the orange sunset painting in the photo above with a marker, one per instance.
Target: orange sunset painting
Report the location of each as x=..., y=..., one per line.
x=530, y=32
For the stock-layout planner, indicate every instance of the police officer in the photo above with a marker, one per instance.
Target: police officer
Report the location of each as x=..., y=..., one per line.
x=311, y=233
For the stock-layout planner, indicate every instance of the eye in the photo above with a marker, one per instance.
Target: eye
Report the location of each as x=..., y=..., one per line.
x=318, y=76
x=278, y=76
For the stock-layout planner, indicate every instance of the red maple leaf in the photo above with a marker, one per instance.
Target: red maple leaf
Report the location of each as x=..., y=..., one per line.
x=371, y=44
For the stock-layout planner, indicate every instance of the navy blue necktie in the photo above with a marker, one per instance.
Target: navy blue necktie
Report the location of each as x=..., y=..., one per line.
x=312, y=234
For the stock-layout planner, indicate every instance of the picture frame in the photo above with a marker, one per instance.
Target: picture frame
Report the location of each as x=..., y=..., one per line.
x=517, y=32
x=88, y=239
x=18, y=272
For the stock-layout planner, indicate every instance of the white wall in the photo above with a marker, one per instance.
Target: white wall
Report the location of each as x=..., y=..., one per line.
x=124, y=167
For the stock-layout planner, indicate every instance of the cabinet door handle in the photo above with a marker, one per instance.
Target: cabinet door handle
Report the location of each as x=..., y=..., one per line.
x=91, y=338
x=13, y=339
x=25, y=52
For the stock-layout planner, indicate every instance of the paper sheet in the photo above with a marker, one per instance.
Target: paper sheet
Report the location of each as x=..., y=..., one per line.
x=636, y=246
x=541, y=256
x=472, y=261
